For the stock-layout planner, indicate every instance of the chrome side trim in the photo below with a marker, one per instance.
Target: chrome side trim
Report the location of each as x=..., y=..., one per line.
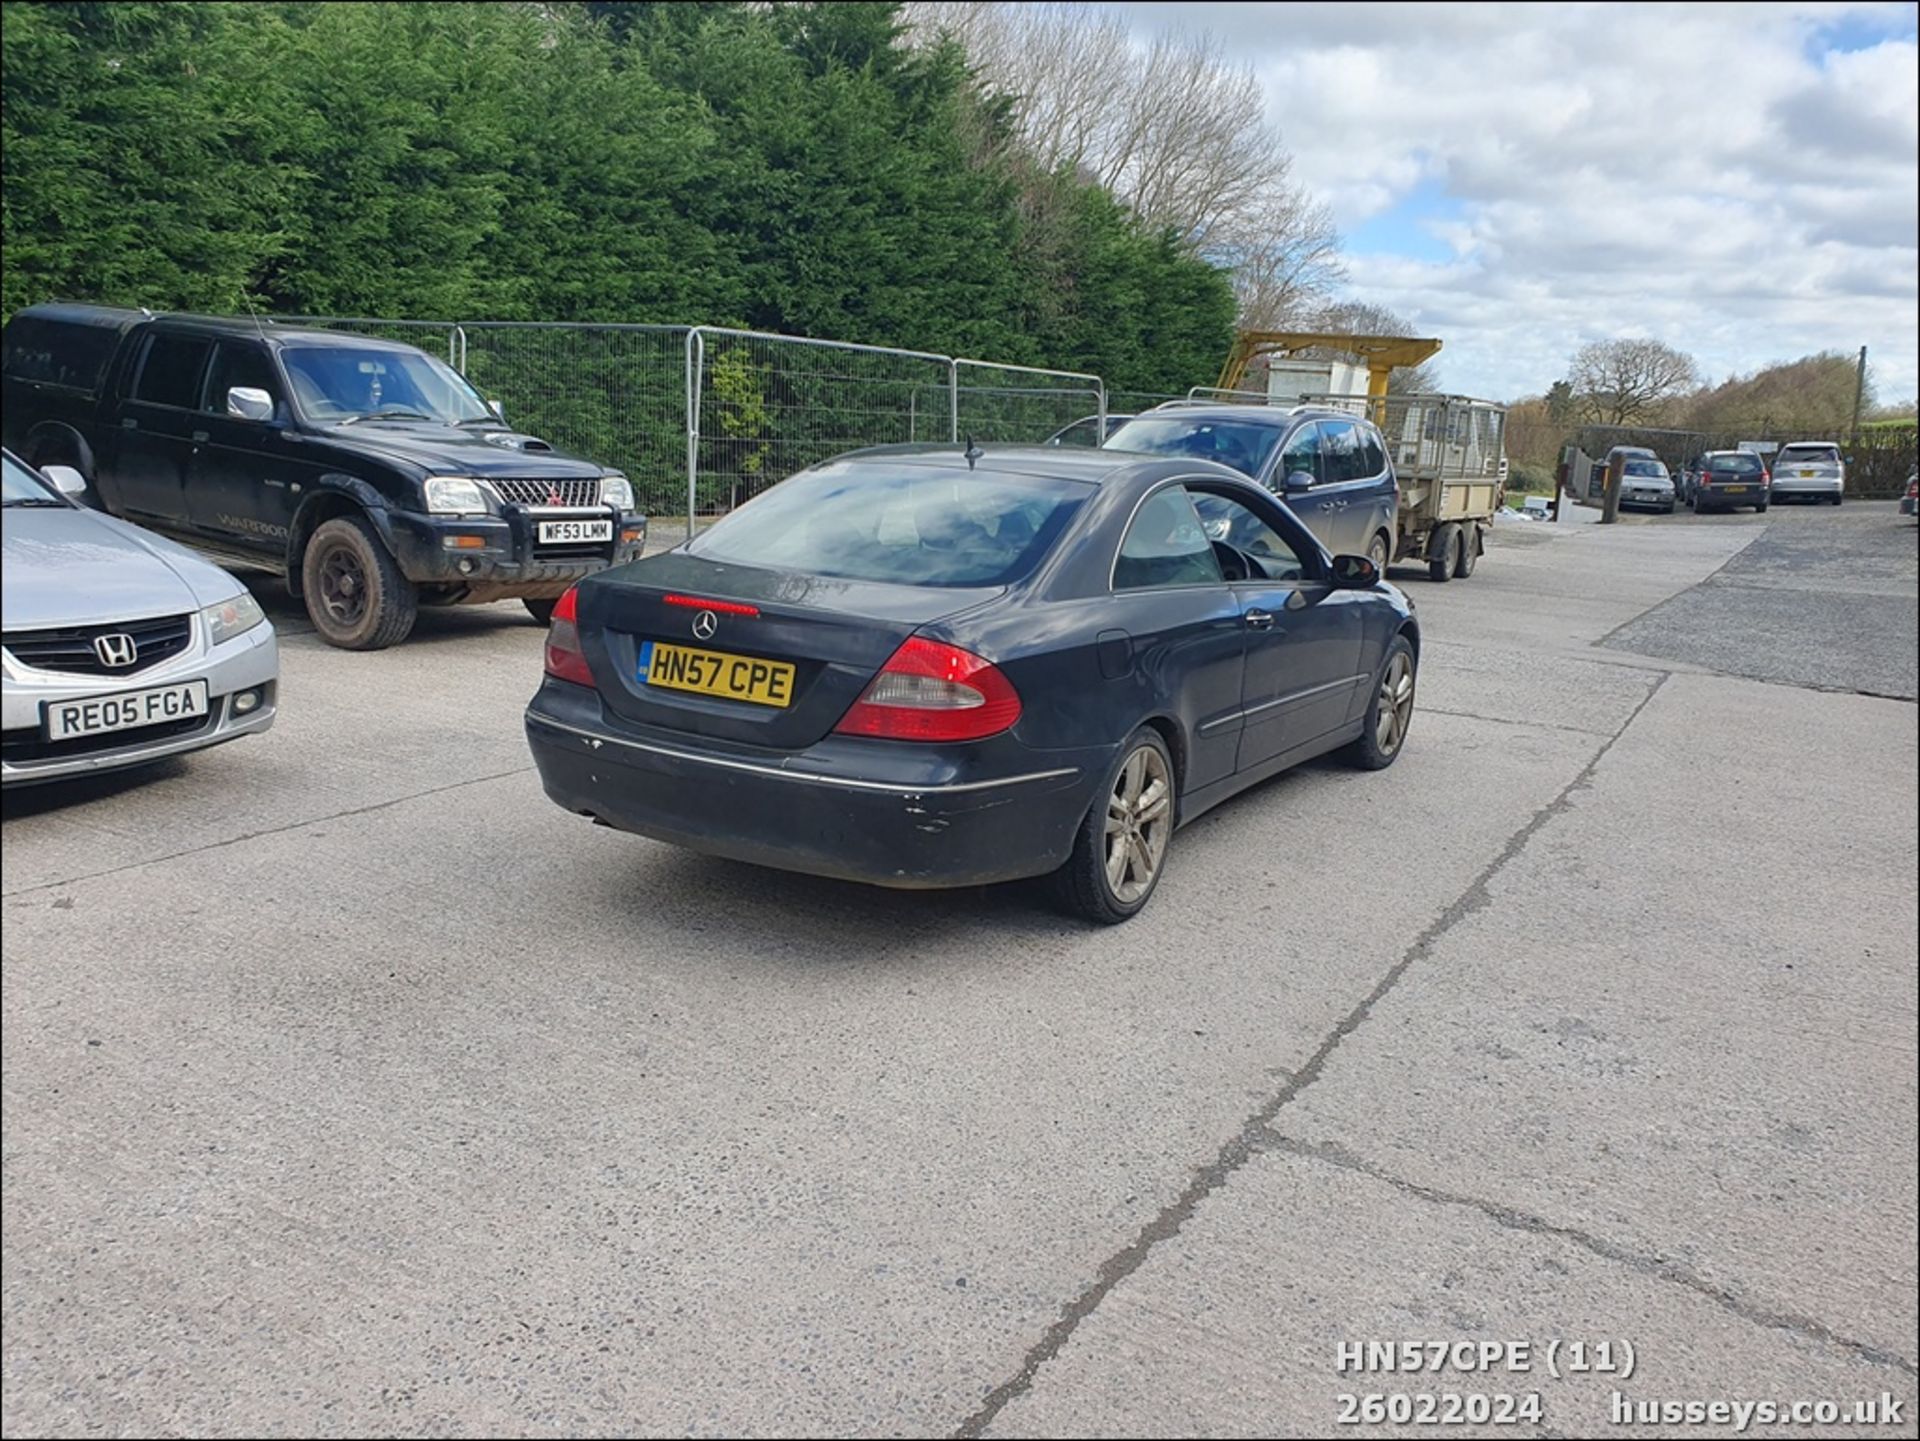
x=1289, y=699
x=811, y=777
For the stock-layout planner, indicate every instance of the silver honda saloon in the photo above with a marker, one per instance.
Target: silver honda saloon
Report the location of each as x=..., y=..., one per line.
x=120, y=648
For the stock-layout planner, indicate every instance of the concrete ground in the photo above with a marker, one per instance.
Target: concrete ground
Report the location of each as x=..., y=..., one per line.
x=351, y=1087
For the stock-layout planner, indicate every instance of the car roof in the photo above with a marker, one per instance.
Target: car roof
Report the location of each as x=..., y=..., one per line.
x=1052, y=462
x=1276, y=415
x=109, y=317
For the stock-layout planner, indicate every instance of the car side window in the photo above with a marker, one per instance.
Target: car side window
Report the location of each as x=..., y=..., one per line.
x=170, y=371
x=236, y=363
x=1373, y=452
x=1302, y=453
x=1254, y=546
x=1341, y=456
x=1165, y=545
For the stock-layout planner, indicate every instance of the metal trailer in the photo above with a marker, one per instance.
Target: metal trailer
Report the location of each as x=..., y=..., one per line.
x=1449, y=457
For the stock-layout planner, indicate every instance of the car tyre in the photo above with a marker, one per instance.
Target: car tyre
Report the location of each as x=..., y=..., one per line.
x=1443, y=556
x=1760, y=509
x=1390, y=711
x=1469, y=552
x=1120, y=851
x=1380, y=551
x=1836, y=500
x=355, y=594
x=541, y=610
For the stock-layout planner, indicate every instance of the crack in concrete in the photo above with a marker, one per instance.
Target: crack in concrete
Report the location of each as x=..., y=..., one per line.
x=1504, y=721
x=269, y=831
x=1257, y=1130
x=1655, y=1266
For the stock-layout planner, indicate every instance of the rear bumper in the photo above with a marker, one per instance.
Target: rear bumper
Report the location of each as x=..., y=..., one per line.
x=508, y=559
x=1720, y=495
x=1793, y=487
x=1909, y=505
x=1647, y=501
x=810, y=811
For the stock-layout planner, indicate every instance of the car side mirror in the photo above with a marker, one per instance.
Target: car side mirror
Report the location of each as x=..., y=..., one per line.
x=66, y=479
x=1355, y=572
x=499, y=410
x=248, y=402
x=1297, y=481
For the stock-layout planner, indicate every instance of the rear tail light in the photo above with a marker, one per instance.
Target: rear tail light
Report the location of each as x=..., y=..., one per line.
x=565, y=659
x=931, y=691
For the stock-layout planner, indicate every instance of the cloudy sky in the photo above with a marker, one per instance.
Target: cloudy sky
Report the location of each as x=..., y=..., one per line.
x=1738, y=180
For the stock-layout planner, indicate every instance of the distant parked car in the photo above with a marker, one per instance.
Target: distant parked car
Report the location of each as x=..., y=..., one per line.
x=1730, y=478
x=1809, y=470
x=1330, y=467
x=1910, y=502
x=1644, y=484
x=120, y=647
x=919, y=667
x=368, y=473
x=1086, y=430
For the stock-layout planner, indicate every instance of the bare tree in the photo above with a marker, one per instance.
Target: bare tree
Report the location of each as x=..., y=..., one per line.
x=1175, y=128
x=1356, y=317
x=1617, y=381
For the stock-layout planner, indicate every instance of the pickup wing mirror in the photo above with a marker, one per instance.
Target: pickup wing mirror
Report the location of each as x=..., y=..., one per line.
x=66, y=479
x=1296, y=481
x=249, y=403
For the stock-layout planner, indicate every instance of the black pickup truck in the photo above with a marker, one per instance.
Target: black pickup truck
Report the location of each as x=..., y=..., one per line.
x=369, y=474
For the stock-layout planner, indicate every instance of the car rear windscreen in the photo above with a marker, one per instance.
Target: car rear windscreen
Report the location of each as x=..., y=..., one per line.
x=928, y=527
x=1734, y=465
x=1808, y=455
x=1651, y=468
x=1244, y=445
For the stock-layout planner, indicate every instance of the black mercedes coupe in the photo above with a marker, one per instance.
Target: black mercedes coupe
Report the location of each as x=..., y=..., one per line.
x=923, y=666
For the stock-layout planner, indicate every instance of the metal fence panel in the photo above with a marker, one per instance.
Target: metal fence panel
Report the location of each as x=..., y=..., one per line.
x=1021, y=405
x=615, y=394
x=764, y=406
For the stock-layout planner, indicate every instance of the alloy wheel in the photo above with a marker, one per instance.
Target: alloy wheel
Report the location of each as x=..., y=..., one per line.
x=1395, y=709
x=1139, y=822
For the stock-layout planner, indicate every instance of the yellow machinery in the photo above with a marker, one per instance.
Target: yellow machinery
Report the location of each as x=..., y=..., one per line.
x=1383, y=354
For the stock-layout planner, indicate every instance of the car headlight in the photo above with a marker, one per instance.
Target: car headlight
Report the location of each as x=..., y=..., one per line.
x=616, y=490
x=232, y=617
x=455, y=495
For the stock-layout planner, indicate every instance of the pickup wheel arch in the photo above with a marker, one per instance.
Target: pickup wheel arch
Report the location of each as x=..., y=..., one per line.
x=333, y=496
x=53, y=442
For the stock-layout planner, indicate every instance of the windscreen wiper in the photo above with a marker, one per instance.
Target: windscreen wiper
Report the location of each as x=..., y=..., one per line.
x=387, y=415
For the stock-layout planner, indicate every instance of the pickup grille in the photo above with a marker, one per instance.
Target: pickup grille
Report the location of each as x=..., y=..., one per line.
x=548, y=492
x=70, y=650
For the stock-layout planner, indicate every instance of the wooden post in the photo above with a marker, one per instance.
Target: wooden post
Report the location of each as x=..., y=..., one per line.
x=1610, y=503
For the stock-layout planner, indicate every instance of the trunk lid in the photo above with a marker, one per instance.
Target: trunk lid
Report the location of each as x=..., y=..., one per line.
x=835, y=633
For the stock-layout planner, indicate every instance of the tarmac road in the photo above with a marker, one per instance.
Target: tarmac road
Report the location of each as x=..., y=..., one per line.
x=351, y=1087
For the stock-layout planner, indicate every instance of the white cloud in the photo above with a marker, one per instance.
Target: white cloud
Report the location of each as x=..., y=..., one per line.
x=1699, y=173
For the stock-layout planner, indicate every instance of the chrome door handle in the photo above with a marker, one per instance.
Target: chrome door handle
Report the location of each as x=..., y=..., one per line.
x=198, y=436
x=1260, y=619
x=129, y=423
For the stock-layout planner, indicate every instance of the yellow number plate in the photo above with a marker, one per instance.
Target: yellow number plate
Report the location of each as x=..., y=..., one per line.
x=714, y=672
